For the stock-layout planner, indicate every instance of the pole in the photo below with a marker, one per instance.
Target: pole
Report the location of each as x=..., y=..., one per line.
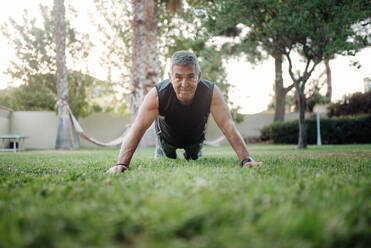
x=318, y=131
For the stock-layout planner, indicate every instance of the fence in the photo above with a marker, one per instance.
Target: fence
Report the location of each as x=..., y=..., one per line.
x=40, y=127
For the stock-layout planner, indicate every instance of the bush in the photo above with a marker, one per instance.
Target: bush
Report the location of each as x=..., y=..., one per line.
x=358, y=103
x=39, y=93
x=335, y=130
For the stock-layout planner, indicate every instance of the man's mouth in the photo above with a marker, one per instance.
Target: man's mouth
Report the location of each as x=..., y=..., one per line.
x=185, y=90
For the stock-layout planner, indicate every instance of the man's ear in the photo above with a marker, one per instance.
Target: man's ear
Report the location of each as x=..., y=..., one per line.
x=169, y=75
x=199, y=76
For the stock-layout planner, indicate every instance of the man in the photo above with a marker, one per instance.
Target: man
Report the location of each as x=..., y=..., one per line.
x=180, y=107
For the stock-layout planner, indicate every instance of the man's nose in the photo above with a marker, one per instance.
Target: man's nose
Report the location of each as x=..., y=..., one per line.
x=184, y=82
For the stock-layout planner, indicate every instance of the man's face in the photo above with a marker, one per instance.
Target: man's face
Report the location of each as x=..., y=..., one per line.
x=184, y=80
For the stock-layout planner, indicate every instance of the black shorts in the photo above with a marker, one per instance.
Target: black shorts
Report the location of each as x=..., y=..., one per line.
x=191, y=152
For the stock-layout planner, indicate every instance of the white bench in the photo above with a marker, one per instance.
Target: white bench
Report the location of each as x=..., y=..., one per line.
x=17, y=139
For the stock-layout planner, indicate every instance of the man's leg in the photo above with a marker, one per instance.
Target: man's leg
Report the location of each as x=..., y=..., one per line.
x=158, y=152
x=164, y=149
x=194, y=151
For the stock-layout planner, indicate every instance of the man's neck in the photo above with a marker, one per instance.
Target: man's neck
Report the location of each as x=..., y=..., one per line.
x=186, y=102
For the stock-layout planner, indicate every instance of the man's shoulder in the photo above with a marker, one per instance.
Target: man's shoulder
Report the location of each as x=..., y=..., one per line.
x=162, y=85
x=207, y=83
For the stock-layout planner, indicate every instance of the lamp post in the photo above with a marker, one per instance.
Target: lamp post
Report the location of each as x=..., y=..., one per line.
x=319, y=109
x=318, y=130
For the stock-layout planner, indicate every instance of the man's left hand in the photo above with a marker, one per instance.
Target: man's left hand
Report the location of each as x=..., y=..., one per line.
x=117, y=169
x=252, y=164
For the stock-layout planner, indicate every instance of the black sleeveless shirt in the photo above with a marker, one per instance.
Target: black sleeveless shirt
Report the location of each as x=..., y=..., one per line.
x=183, y=125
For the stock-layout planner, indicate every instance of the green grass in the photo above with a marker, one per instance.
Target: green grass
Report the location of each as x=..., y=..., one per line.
x=319, y=197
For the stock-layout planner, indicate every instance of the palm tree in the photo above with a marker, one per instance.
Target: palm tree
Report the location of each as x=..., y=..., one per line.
x=66, y=135
x=145, y=70
x=145, y=64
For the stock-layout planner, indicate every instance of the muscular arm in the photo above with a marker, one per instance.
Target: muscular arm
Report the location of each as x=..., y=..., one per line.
x=147, y=113
x=223, y=119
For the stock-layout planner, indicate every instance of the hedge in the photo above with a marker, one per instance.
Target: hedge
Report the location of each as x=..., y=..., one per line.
x=356, y=104
x=335, y=130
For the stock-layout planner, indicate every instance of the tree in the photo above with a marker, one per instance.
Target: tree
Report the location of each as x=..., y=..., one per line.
x=136, y=35
x=35, y=64
x=322, y=29
x=230, y=18
x=116, y=28
x=145, y=67
x=31, y=97
x=355, y=104
x=66, y=134
x=39, y=94
x=312, y=96
x=314, y=29
x=328, y=79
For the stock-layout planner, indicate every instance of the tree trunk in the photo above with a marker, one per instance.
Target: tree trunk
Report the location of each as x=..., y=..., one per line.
x=302, y=142
x=145, y=62
x=66, y=135
x=137, y=67
x=280, y=93
x=67, y=138
x=328, y=80
x=152, y=63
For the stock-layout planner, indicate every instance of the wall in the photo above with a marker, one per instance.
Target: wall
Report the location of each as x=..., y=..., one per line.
x=103, y=127
x=40, y=128
x=5, y=119
x=5, y=115
x=250, y=127
x=106, y=127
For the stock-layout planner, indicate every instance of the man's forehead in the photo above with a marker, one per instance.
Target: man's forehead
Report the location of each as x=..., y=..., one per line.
x=187, y=73
x=184, y=69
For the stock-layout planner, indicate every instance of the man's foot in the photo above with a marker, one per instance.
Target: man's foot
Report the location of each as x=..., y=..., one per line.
x=186, y=156
x=159, y=153
x=195, y=157
x=200, y=154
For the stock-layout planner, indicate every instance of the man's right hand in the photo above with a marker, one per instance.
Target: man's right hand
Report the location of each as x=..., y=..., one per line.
x=117, y=169
x=252, y=164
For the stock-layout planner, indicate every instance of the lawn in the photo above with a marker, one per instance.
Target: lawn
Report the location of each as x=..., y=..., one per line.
x=319, y=197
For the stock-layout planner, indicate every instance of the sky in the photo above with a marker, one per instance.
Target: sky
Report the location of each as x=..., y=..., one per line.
x=253, y=83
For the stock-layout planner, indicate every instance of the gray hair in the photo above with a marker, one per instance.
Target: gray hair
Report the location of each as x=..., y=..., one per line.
x=184, y=58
